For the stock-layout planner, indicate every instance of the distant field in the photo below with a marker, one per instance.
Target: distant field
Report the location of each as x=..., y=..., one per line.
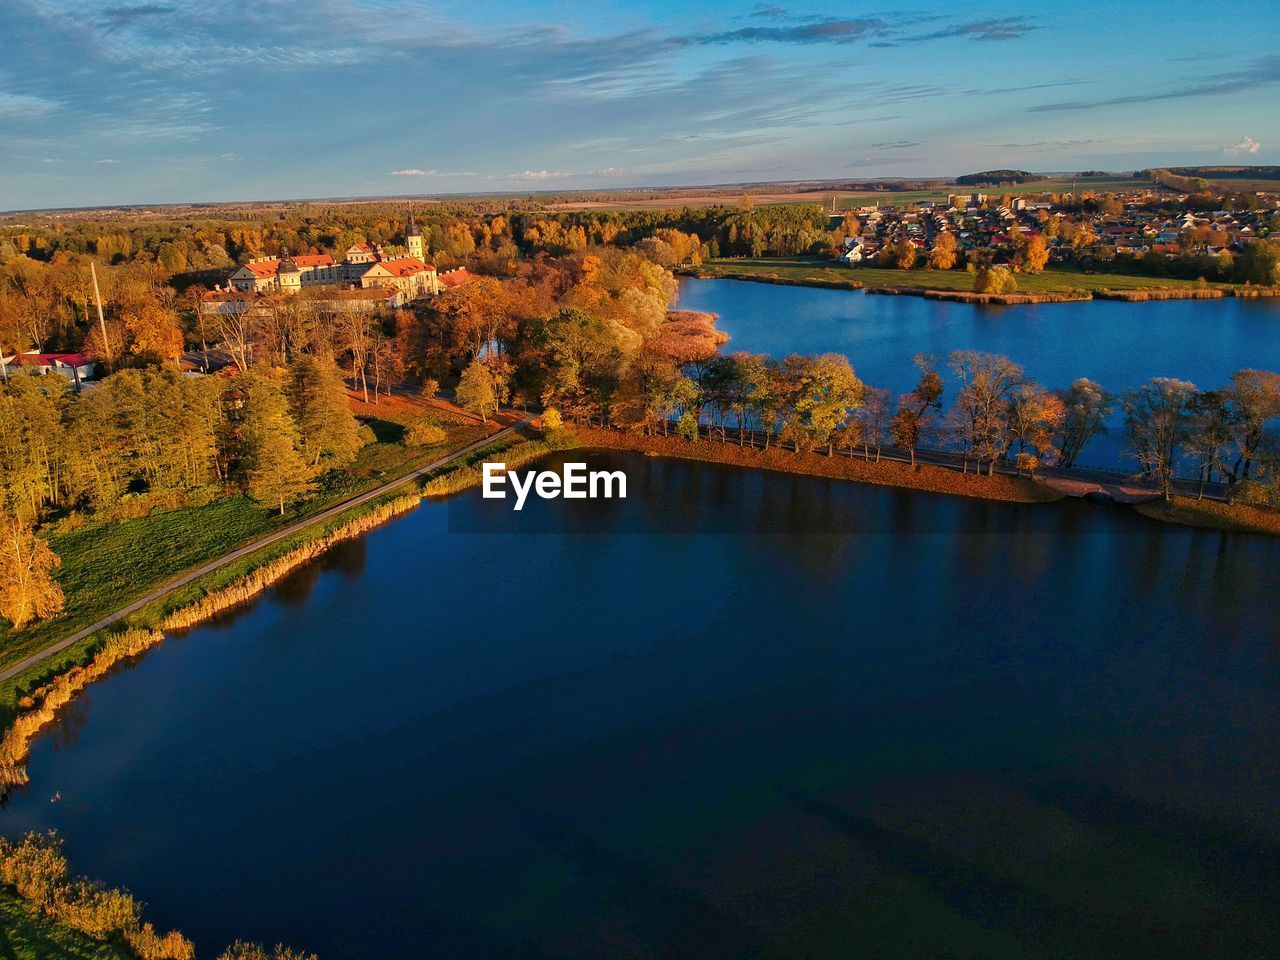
x=850, y=201
x=844, y=199
x=1232, y=185
x=1054, y=280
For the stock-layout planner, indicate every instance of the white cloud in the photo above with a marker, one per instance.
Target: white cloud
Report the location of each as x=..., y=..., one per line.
x=106, y=161
x=1243, y=145
x=414, y=172
x=23, y=105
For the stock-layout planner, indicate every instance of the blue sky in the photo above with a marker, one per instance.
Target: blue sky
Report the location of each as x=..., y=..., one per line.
x=174, y=100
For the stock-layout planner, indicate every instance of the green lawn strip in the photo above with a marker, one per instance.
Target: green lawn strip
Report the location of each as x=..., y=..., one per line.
x=27, y=934
x=1052, y=280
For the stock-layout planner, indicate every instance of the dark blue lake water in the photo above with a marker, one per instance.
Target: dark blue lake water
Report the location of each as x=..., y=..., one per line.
x=1119, y=345
x=940, y=728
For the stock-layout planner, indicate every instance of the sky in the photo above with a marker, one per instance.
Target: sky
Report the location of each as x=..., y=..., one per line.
x=168, y=101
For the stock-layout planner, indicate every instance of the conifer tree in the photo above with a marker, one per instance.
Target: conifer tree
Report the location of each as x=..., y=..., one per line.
x=318, y=400
x=278, y=474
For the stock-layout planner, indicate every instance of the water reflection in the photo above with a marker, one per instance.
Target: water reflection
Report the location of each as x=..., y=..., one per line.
x=855, y=721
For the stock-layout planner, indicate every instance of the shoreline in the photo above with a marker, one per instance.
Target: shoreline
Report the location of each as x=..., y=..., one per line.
x=923, y=477
x=1080, y=295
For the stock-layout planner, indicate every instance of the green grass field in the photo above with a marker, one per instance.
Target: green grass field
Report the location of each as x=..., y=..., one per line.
x=1053, y=280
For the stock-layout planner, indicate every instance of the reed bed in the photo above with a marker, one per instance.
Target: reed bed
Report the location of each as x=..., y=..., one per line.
x=1250, y=292
x=41, y=706
x=1141, y=296
x=268, y=574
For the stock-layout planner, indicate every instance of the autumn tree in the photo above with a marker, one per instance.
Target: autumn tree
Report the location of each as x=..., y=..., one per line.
x=28, y=590
x=994, y=280
x=825, y=392
x=905, y=254
x=944, y=252
x=1087, y=407
x=1036, y=417
x=1254, y=401
x=1209, y=431
x=318, y=402
x=917, y=409
x=1258, y=262
x=980, y=418
x=873, y=419
x=278, y=473
x=1156, y=418
x=477, y=391
x=1032, y=253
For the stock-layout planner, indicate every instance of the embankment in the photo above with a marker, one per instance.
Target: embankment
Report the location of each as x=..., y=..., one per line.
x=1213, y=515
x=968, y=296
x=1142, y=296
x=926, y=477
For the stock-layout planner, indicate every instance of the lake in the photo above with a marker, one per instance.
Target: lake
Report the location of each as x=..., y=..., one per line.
x=1119, y=345
x=891, y=724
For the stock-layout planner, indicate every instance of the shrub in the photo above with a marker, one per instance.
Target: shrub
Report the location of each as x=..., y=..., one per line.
x=34, y=866
x=551, y=419
x=687, y=426
x=255, y=951
x=430, y=387
x=149, y=945
x=95, y=910
x=424, y=435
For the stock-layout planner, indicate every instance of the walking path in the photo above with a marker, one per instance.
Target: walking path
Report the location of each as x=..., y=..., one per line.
x=249, y=548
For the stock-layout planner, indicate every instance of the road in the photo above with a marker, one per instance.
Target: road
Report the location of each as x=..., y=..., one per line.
x=249, y=548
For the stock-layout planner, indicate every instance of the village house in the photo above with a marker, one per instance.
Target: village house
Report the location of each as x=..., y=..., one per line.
x=76, y=367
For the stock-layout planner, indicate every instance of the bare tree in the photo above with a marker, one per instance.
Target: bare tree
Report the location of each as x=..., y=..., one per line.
x=1156, y=418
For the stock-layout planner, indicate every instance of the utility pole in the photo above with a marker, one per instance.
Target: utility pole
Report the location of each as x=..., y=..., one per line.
x=102, y=322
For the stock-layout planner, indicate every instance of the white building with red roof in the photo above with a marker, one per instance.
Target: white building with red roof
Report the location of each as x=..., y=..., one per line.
x=74, y=366
x=286, y=273
x=410, y=275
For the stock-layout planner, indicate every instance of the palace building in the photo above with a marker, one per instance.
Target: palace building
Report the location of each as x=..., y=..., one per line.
x=364, y=266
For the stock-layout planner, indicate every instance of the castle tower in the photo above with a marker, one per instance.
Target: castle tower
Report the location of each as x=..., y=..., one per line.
x=413, y=239
x=288, y=276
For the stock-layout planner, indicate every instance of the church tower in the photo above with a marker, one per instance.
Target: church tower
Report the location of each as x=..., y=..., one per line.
x=413, y=239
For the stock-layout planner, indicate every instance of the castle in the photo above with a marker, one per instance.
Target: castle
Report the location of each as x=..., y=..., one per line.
x=363, y=266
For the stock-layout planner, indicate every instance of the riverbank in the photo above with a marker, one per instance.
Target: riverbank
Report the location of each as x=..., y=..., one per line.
x=1054, y=285
x=925, y=477
x=1213, y=515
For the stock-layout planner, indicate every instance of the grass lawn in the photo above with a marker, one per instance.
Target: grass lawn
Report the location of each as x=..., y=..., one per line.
x=1052, y=280
x=26, y=934
x=107, y=564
